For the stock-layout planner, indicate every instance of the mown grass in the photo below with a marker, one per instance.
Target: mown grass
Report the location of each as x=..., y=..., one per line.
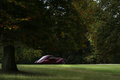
x=64, y=72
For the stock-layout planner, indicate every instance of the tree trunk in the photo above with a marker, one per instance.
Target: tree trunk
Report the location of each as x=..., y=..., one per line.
x=8, y=63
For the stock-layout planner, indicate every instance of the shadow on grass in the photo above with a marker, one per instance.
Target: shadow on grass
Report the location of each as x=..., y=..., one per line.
x=25, y=73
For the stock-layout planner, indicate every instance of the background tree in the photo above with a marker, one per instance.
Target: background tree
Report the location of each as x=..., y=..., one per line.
x=26, y=55
x=70, y=29
x=12, y=30
x=105, y=35
x=47, y=25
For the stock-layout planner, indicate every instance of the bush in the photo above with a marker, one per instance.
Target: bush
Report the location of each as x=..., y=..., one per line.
x=27, y=55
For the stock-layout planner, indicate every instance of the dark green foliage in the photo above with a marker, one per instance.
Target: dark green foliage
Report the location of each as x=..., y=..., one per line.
x=105, y=34
x=27, y=55
x=58, y=28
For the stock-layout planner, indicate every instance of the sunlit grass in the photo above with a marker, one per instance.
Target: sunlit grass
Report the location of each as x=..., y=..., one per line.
x=64, y=72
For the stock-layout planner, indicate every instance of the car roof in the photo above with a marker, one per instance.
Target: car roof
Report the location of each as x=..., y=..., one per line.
x=48, y=55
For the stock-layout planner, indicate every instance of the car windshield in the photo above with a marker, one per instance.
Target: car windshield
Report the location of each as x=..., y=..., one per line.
x=41, y=58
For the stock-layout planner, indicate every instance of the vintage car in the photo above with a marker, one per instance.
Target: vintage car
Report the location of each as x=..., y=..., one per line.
x=49, y=59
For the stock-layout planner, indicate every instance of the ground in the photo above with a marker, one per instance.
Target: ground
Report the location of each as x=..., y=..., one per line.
x=64, y=72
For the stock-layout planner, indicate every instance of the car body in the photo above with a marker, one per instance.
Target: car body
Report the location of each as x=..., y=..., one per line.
x=50, y=59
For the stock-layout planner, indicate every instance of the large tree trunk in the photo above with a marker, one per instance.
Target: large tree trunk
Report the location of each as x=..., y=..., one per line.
x=8, y=63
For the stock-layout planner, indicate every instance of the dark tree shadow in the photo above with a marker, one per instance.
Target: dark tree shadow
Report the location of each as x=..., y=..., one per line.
x=25, y=73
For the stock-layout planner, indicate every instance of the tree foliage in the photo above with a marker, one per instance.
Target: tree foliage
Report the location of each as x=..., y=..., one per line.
x=58, y=25
x=27, y=55
x=49, y=25
x=105, y=35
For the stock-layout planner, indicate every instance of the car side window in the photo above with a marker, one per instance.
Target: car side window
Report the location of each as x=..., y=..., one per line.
x=51, y=57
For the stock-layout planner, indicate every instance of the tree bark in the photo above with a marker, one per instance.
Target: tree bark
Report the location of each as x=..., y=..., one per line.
x=8, y=63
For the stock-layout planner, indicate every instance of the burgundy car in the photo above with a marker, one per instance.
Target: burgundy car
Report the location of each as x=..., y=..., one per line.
x=49, y=59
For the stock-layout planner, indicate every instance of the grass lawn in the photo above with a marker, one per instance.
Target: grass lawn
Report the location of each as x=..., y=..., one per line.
x=64, y=72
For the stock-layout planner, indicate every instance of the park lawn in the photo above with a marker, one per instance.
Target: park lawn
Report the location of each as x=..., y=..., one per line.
x=63, y=72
